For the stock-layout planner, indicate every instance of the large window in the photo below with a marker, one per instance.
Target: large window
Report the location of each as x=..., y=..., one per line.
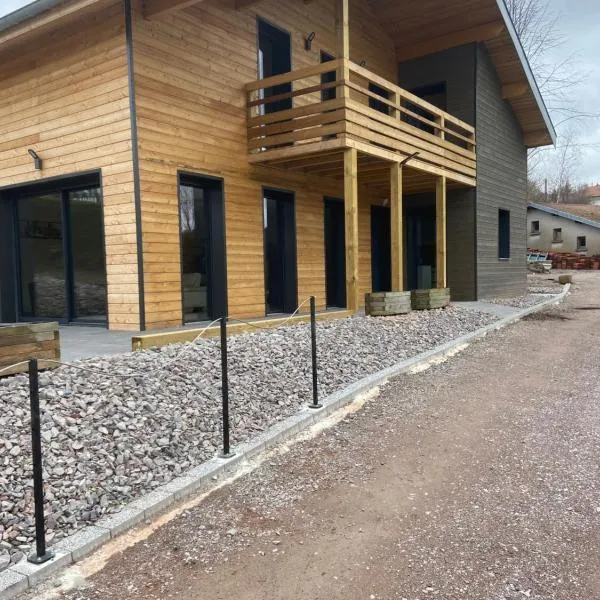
x=60, y=250
x=503, y=234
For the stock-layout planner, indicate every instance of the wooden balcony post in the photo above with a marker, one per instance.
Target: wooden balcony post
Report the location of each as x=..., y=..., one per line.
x=440, y=227
x=397, y=227
x=343, y=44
x=343, y=29
x=351, y=225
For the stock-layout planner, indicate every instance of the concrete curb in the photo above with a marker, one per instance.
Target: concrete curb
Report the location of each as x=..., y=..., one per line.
x=18, y=578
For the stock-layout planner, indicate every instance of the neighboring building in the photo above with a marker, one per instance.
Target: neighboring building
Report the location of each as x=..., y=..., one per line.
x=591, y=194
x=564, y=228
x=172, y=184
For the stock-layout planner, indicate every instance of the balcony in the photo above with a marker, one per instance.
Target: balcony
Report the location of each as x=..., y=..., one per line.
x=305, y=119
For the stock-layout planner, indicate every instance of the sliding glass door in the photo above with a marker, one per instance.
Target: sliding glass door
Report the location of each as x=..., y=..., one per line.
x=60, y=250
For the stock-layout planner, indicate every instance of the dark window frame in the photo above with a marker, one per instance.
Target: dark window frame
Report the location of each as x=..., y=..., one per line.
x=581, y=247
x=219, y=292
x=62, y=185
x=535, y=227
x=503, y=234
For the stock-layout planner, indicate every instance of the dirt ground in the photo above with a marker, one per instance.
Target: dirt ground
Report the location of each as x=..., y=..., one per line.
x=476, y=479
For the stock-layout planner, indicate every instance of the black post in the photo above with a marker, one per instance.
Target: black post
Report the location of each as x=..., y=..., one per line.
x=313, y=340
x=225, y=390
x=41, y=554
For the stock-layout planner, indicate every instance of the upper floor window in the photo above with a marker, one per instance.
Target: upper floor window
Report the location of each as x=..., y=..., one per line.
x=581, y=243
x=535, y=227
x=557, y=235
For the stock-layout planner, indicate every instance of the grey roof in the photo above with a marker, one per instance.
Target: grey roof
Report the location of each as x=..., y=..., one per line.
x=565, y=215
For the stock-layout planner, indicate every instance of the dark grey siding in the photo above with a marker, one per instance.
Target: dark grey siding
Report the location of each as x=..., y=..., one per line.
x=455, y=67
x=501, y=184
x=460, y=240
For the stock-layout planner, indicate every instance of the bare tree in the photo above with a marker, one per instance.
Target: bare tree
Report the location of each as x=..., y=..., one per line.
x=538, y=27
x=565, y=161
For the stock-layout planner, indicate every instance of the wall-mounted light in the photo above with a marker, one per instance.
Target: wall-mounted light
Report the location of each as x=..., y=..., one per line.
x=309, y=40
x=409, y=157
x=37, y=161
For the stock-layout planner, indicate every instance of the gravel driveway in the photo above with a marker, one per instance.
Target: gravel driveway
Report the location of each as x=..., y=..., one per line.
x=476, y=479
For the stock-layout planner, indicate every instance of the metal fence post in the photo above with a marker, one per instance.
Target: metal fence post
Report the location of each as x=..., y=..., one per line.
x=313, y=341
x=225, y=391
x=41, y=554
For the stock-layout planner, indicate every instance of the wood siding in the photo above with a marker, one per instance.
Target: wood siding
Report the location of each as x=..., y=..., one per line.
x=66, y=95
x=190, y=70
x=501, y=184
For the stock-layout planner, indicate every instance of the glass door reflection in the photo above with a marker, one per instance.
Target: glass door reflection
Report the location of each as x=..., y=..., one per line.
x=41, y=257
x=87, y=272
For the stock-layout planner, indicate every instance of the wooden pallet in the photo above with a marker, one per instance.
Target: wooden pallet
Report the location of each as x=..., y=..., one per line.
x=429, y=299
x=23, y=341
x=385, y=304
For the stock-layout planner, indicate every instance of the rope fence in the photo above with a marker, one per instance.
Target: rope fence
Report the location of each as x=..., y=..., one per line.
x=42, y=553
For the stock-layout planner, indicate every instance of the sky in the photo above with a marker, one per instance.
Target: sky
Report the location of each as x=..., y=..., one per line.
x=580, y=24
x=579, y=21
x=7, y=6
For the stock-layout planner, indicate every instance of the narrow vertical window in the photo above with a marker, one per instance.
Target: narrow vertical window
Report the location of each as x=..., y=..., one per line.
x=503, y=234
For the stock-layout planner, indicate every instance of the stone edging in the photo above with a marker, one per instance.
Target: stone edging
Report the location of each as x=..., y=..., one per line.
x=20, y=577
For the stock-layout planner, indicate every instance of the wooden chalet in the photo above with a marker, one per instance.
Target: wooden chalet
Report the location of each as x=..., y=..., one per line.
x=169, y=161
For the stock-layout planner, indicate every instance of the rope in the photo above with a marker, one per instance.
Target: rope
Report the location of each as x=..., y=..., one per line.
x=23, y=362
x=277, y=323
x=166, y=365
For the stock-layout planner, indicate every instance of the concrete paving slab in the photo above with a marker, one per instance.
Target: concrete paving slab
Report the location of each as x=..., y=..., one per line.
x=12, y=583
x=83, y=542
x=36, y=573
x=78, y=342
x=119, y=522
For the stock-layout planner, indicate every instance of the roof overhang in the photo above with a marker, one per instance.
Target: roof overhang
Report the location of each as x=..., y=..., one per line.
x=43, y=16
x=428, y=26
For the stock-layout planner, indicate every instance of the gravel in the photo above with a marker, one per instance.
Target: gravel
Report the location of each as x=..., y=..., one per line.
x=116, y=427
x=519, y=301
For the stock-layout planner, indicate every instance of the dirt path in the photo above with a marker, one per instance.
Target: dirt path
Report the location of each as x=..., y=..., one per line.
x=477, y=479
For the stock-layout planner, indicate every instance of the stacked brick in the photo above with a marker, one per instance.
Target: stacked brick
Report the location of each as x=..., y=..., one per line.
x=572, y=260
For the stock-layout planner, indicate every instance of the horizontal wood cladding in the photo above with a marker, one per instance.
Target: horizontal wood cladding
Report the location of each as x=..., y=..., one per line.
x=191, y=68
x=67, y=97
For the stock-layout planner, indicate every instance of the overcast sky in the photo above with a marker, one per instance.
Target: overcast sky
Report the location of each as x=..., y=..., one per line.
x=7, y=6
x=580, y=23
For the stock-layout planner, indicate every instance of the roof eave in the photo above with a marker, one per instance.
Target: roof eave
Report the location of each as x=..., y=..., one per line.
x=27, y=12
x=510, y=27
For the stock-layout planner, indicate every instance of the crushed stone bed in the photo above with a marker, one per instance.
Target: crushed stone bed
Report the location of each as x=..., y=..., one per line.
x=135, y=421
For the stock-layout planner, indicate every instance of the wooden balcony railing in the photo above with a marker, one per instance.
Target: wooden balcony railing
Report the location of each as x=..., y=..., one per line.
x=340, y=104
